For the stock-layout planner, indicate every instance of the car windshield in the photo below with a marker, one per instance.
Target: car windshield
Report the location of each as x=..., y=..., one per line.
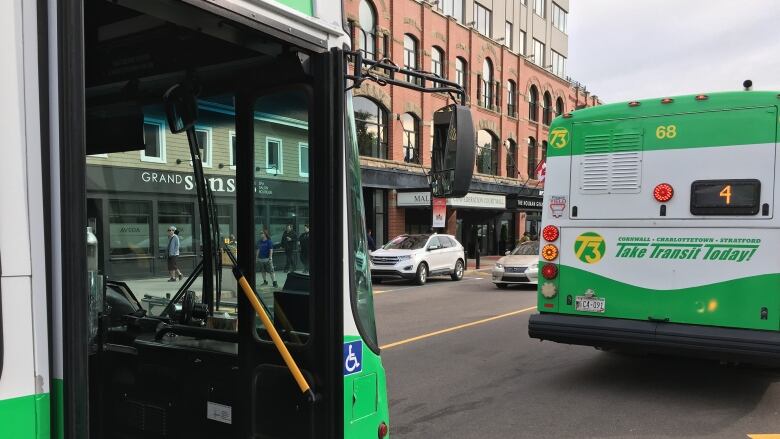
x=407, y=242
x=527, y=248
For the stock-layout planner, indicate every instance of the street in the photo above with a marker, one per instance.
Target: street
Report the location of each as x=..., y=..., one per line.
x=460, y=364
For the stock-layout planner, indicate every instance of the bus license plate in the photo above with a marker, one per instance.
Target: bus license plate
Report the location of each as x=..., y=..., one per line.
x=589, y=304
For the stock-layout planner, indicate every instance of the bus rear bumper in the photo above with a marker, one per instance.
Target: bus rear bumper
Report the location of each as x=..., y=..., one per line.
x=727, y=344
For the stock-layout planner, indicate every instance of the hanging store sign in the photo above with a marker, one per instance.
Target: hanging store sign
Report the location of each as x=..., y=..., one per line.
x=439, y=212
x=471, y=200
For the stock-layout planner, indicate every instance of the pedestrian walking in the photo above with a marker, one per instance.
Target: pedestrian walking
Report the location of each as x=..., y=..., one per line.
x=172, y=252
x=289, y=239
x=265, y=253
x=371, y=241
x=304, y=240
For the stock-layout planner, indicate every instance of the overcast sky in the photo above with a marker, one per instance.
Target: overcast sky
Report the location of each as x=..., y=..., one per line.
x=632, y=49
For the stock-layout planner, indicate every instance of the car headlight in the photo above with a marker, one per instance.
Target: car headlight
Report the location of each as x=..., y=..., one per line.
x=499, y=266
x=403, y=258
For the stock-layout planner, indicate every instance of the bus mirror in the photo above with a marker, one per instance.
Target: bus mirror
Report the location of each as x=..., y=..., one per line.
x=453, y=152
x=181, y=108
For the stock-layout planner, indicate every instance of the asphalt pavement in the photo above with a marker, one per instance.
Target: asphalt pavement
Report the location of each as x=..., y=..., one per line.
x=460, y=364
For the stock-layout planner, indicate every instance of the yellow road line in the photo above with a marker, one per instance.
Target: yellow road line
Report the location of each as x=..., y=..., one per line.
x=764, y=436
x=455, y=328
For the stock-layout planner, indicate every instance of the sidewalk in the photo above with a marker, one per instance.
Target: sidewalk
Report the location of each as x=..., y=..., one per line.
x=486, y=263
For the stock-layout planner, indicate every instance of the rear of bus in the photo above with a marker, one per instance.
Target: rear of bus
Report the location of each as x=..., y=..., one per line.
x=659, y=228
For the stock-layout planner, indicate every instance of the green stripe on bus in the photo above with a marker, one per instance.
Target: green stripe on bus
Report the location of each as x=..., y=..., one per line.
x=58, y=408
x=304, y=6
x=362, y=420
x=724, y=120
x=26, y=417
x=732, y=303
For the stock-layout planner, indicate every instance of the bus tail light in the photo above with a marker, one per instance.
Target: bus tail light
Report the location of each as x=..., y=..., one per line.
x=667, y=100
x=550, y=233
x=550, y=271
x=663, y=192
x=549, y=252
x=383, y=430
x=702, y=97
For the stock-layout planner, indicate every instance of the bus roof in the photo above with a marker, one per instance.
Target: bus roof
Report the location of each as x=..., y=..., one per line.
x=678, y=104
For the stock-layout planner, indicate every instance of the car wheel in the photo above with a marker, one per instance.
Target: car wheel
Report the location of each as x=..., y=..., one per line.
x=502, y=286
x=457, y=274
x=422, y=274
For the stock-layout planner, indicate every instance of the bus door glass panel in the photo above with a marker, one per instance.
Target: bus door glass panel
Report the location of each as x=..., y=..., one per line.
x=280, y=127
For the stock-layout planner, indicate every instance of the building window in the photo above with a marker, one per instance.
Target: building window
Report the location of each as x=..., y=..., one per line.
x=154, y=141
x=559, y=107
x=533, y=102
x=521, y=46
x=273, y=155
x=531, y=157
x=367, y=30
x=437, y=60
x=130, y=227
x=558, y=64
x=487, y=84
x=511, y=158
x=453, y=8
x=410, y=56
x=547, y=109
x=303, y=159
x=544, y=151
x=483, y=20
x=371, y=125
x=559, y=18
x=203, y=134
x=509, y=36
x=182, y=216
x=461, y=73
x=538, y=52
x=232, y=149
x=411, y=140
x=511, y=98
x=539, y=7
x=487, y=153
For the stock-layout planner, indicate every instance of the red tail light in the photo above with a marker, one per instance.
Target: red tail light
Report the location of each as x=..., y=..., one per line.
x=382, y=430
x=550, y=271
x=550, y=233
x=663, y=192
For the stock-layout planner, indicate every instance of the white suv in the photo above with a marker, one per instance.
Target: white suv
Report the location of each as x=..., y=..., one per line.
x=415, y=257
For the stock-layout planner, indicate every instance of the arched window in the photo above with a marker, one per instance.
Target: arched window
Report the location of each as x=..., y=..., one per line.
x=487, y=83
x=410, y=56
x=411, y=140
x=371, y=126
x=511, y=98
x=511, y=158
x=559, y=107
x=547, y=110
x=487, y=152
x=544, y=150
x=367, y=30
x=437, y=62
x=533, y=103
x=461, y=73
x=531, y=157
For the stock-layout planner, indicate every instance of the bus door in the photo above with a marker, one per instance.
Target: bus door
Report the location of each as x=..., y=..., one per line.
x=184, y=354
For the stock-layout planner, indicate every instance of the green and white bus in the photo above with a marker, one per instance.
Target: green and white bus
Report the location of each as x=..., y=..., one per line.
x=148, y=142
x=660, y=229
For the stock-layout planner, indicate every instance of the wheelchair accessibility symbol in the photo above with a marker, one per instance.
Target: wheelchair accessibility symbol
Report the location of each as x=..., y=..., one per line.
x=353, y=357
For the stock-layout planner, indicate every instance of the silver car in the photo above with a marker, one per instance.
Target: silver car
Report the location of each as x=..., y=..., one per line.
x=520, y=266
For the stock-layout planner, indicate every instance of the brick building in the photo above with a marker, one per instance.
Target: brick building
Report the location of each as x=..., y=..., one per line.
x=510, y=55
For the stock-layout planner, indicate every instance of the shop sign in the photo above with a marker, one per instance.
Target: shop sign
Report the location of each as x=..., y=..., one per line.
x=117, y=179
x=471, y=200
